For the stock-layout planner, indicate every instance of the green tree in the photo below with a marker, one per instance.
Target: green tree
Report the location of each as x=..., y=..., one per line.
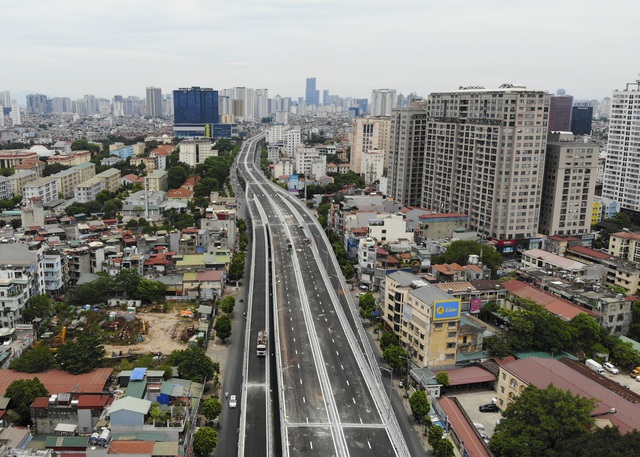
x=223, y=327
x=499, y=345
x=205, y=441
x=395, y=356
x=193, y=364
x=82, y=355
x=22, y=393
x=444, y=448
x=540, y=420
x=53, y=168
x=587, y=331
x=94, y=292
x=419, y=403
x=367, y=304
x=443, y=378
x=176, y=176
x=35, y=360
x=434, y=435
x=459, y=251
x=623, y=353
x=211, y=408
x=127, y=281
x=634, y=329
x=236, y=269
x=601, y=442
x=37, y=306
x=84, y=145
x=227, y=304
x=388, y=339
x=149, y=291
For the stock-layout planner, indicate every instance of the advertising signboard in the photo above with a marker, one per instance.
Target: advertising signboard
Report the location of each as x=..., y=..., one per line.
x=474, y=305
x=446, y=309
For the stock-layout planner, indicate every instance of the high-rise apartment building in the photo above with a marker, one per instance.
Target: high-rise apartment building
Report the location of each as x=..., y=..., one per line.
x=38, y=104
x=581, y=119
x=560, y=113
x=261, y=103
x=5, y=98
x=570, y=171
x=311, y=94
x=368, y=134
x=195, y=108
x=154, y=101
x=483, y=156
x=15, y=115
x=622, y=168
x=407, y=139
x=383, y=101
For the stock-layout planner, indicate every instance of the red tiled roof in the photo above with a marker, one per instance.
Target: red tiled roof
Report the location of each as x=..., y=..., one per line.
x=627, y=235
x=555, y=305
x=40, y=402
x=392, y=260
x=469, y=375
x=211, y=275
x=474, y=446
x=590, y=252
x=564, y=238
x=179, y=193
x=131, y=447
x=58, y=381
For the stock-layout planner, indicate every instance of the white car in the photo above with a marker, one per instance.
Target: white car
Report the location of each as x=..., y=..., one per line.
x=233, y=401
x=610, y=368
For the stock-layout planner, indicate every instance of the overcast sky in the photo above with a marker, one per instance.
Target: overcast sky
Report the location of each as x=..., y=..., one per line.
x=71, y=47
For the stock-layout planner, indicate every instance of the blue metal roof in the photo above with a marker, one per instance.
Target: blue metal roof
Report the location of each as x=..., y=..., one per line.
x=138, y=374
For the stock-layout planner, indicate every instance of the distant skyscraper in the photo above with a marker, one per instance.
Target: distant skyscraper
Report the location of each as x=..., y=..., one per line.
x=325, y=97
x=5, y=98
x=581, y=119
x=154, y=101
x=15, y=113
x=560, y=113
x=383, y=101
x=262, y=103
x=311, y=94
x=195, y=110
x=622, y=168
x=38, y=104
x=605, y=107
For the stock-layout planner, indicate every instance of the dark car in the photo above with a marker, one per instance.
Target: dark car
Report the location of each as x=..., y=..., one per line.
x=489, y=408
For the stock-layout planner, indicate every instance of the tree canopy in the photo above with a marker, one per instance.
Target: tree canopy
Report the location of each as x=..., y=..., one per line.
x=193, y=364
x=395, y=356
x=367, y=304
x=539, y=421
x=205, y=441
x=211, y=408
x=35, y=360
x=459, y=252
x=82, y=355
x=227, y=304
x=22, y=393
x=419, y=403
x=223, y=327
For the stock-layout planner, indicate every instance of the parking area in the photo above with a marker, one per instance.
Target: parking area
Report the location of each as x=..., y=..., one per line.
x=472, y=401
x=624, y=379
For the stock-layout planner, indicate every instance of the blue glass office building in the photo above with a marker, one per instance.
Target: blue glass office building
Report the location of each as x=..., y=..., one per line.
x=194, y=109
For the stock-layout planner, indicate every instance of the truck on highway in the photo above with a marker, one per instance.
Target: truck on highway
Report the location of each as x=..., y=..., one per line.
x=595, y=366
x=263, y=339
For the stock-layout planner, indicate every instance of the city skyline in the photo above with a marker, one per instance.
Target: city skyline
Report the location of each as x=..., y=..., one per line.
x=120, y=49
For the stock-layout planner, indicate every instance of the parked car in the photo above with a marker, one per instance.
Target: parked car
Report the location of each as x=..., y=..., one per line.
x=489, y=408
x=610, y=368
x=233, y=401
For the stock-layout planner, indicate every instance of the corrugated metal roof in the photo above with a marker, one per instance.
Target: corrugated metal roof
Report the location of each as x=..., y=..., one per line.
x=137, y=405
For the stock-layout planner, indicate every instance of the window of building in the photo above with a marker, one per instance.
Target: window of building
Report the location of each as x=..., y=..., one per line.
x=437, y=325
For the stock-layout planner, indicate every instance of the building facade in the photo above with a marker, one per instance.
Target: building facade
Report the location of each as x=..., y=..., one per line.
x=368, y=134
x=622, y=168
x=569, y=184
x=154, y=101
x=383, y=101
x=194, y=109
x=484, y=156
x=406, y=154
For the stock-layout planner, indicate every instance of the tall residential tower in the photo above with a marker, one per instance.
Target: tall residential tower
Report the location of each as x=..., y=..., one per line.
x=622, y=169
x=154, y=101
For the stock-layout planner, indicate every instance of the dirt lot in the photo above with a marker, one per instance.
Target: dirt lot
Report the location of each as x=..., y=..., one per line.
x=164, y=330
